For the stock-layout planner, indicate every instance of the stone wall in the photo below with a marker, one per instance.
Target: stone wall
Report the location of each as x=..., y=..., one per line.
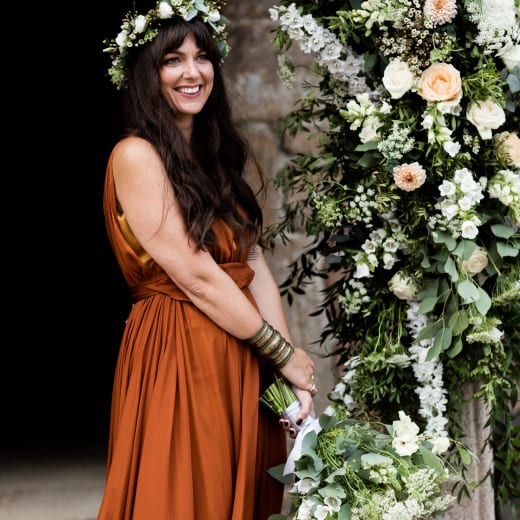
x=259, y=100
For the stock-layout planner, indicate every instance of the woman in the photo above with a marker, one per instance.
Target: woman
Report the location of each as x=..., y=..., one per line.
x=207, y=332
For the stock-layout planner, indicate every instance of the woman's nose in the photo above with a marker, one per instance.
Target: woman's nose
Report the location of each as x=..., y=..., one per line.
x=190, y=68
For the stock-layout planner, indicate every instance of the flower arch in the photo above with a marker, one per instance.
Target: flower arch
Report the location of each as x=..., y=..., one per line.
x=412, y=199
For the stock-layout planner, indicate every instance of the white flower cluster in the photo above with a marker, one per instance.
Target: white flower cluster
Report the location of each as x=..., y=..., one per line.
x=431, y=392
x=138, y=29
x=380, y=244
x=495, y=33
x=505, y=186
x=341, y=391
x=457, y=205
x=485, y=331
x=386, y=506
x=362, y=113
x=340, y=60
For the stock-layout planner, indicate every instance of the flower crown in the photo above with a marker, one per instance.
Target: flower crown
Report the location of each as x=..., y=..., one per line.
x=138, y=29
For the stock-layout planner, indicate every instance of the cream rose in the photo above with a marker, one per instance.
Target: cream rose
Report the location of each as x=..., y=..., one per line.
x=165, y=10
x=402, y=286
x=508, y=144
x=486, y=116
x=440, y=82
x=398, y=79
x=476, y=263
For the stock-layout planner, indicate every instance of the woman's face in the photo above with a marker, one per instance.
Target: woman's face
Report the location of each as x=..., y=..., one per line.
x=186, y=77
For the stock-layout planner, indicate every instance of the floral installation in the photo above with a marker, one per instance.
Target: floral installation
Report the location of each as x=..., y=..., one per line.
x=355, y=470
x=411, y=198
x=138, y=29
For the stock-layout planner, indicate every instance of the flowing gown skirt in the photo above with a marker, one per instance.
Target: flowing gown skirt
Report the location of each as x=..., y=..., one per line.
x=188, y=439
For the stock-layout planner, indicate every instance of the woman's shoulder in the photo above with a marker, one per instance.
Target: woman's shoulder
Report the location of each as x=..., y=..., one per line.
x=135, y=159
x=132, y=148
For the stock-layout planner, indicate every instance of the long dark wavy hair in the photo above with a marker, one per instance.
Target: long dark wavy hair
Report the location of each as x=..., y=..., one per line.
x=207, y=174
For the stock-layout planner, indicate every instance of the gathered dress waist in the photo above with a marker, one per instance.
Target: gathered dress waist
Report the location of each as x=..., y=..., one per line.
x=161, y=283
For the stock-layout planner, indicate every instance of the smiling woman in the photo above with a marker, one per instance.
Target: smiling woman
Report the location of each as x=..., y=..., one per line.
x=207, y=332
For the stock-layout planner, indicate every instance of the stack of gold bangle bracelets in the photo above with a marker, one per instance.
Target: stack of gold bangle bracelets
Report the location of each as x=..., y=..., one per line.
x=271, y=345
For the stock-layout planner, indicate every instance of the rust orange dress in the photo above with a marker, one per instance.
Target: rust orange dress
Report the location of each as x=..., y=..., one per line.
x=188, y=439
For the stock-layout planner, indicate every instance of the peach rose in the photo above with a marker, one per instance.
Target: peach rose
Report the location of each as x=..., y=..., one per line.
x=440, y=82
x=508, y=144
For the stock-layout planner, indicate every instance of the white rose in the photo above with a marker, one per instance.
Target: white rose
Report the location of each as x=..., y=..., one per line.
x=165, y=10
x=402, y=286
x=213, y=16
x=510, y=55
x=398, y=79
x=486, y=116
x=440, y=444
x=140, y=24
x=477, y=261
x=121, y=38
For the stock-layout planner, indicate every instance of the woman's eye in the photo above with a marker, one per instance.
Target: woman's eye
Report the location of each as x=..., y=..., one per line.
x=171, y=60
x=203, y=57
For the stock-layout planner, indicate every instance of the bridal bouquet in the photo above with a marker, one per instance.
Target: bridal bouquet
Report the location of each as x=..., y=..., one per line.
x=411, y=198
x=353, y=470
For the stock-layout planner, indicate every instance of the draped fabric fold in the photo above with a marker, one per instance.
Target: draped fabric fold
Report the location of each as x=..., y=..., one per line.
x=161, y=283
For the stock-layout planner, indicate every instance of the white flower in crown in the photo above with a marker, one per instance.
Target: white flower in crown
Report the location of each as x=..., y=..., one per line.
x=165, y=10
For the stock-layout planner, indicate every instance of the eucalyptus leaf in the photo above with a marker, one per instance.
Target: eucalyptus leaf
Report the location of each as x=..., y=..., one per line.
x=483, y=304
x=441, y=237
x=345, y=512
x=506, y=249
x=430, y=290
x=450, y=267
x=333, y=259
x=502, y=231
x=334, y=490
x=455, y=349
x=441, y=342
x=464, y=249
x=458, y=322
x=277, y=473
x=431, y=460
x=468, y=291
x=429, y=331
x=427, y=305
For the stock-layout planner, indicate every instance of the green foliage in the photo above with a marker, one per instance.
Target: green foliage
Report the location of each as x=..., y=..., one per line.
x=442, y=253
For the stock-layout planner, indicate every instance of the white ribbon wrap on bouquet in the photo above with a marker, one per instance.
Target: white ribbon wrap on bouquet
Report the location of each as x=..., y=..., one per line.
x=310, y=424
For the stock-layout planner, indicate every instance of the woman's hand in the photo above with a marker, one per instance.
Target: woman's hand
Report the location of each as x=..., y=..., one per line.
x=299, y=371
